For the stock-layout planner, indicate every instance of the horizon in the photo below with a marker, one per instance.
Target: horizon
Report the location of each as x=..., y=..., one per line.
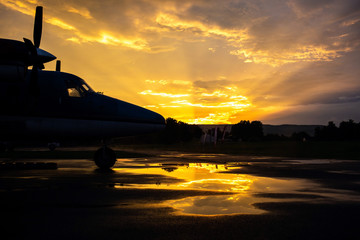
x=208, y=62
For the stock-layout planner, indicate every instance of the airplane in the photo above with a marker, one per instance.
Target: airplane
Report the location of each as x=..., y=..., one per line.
x=54, y=105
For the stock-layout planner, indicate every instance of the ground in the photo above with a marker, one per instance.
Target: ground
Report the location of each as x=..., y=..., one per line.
x=142, y=198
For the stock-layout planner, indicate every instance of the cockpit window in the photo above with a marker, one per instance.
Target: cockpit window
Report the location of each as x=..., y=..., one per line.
x=77, y=88
x=73, y=92
x=86, y=87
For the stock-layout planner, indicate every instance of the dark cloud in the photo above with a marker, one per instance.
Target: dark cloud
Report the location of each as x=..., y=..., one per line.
x=340, y=97
x=316, y=114
x=227, y=14
x=310, y=5
x=348, y=8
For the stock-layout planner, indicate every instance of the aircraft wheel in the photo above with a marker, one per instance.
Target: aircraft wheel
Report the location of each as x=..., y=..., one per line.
x=51, y=146
x=105, y=157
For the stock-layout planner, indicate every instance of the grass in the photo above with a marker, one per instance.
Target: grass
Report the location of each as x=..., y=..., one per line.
x=310, y=149
x=63, y=154
x=337, y=150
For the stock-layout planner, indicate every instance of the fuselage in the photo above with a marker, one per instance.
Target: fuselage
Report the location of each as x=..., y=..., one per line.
x=63, y=106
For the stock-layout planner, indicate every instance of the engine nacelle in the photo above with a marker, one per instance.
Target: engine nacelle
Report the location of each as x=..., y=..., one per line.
x=12, y=73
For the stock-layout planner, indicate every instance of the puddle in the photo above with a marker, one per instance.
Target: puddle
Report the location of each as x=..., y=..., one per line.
x=236, y=192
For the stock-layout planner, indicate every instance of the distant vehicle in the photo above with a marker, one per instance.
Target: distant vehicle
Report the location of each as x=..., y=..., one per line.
x=54, y=105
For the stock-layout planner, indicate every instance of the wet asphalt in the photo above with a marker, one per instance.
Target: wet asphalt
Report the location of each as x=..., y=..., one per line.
x=72, y=199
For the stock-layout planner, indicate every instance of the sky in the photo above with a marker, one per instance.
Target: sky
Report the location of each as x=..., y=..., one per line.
x=207, y=61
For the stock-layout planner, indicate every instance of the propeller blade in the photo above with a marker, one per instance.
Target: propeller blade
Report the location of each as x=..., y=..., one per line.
x=32, y=58
x=28, y=43
x=38, y=26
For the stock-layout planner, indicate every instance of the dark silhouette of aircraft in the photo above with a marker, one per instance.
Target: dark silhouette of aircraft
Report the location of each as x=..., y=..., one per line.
x=52, y=105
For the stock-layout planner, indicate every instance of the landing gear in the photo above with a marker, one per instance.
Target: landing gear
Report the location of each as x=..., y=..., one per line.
x=53, y=145
x=105, y=157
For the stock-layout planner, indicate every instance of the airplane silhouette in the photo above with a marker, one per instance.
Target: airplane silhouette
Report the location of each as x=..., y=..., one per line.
x=53, y=105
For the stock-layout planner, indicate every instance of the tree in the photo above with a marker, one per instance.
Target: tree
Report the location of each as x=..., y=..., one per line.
x=329, y=132
x=246, y=130
x=347, y=131
x=177, y=131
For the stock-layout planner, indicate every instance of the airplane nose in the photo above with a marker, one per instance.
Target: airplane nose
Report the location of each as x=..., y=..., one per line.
x=133, y=113
x=158, y=118
x=152, y=117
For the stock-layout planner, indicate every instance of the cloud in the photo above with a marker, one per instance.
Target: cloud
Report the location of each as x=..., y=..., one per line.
x=81, y=11
x=317, y=114
x=76, y=31
x=304, y=8
x=150, y=92
x=174, y=23
x=25, y=7
x=59, y=23
x=301, y=54
x=250, y=31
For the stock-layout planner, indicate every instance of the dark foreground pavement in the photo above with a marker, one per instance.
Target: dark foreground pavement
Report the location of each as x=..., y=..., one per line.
x=77, y=201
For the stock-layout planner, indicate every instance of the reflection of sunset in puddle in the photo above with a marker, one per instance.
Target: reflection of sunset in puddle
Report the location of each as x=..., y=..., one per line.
x=233, y=192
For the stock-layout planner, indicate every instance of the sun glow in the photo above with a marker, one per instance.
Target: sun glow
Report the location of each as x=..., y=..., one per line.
x=206, y=106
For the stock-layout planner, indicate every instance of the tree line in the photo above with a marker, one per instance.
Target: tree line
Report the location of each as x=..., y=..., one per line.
x=245, y=130
x=177, y=131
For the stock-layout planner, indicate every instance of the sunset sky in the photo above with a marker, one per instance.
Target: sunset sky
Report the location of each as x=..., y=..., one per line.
x=207, y=61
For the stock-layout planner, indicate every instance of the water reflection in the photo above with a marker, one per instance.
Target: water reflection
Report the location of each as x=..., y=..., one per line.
x=234, y=193
x=169, y=169
x=215, y=205
x=237, y=184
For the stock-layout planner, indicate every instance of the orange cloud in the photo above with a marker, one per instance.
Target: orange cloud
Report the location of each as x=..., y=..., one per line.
x=25, y=7
x=82, y=12
x=59, y=23
x=150, y=92
x=175, y=24
x=304, y=53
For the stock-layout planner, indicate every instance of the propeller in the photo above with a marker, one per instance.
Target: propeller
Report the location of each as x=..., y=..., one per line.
x=33, y=47
x=37, y=57
x=34, y=59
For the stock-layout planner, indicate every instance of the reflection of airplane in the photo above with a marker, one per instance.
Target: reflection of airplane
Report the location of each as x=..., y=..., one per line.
x=170, y=169
x=54, y=105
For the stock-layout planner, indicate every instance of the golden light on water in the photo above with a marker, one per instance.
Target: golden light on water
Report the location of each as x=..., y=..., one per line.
x=232, y=193
x=224, y=185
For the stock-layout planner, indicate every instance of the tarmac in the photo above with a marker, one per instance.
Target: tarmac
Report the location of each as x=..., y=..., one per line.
x=180, y=196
